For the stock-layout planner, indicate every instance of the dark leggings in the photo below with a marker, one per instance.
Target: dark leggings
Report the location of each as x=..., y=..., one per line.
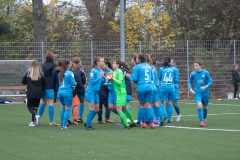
x=107, y=111
x=235, y=89
x=32, y=104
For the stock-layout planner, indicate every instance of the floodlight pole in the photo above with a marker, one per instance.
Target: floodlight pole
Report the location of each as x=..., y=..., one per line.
x=122, y=31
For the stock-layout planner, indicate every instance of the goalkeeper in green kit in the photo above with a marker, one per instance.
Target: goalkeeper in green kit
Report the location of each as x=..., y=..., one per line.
x=120, y=90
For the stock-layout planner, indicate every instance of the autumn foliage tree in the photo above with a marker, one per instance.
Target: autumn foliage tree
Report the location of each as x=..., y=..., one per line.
x=141, y=24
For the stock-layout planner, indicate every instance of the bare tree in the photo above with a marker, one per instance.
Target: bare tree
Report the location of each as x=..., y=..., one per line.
x=39, y=27
x=100, y=15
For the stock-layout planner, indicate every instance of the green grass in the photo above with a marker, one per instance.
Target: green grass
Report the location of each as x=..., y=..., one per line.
x=108, y=142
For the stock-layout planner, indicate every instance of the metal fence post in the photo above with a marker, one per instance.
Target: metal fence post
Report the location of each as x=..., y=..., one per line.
x=187, y=68
x=91, y=52
x=234, y=50
x=42, y=52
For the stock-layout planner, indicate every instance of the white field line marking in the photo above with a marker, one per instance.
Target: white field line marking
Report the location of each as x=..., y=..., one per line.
x=214, y=104
x=207, y=129
x=208, y=114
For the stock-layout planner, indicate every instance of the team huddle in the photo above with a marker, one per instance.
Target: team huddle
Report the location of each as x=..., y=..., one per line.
x=66, y=80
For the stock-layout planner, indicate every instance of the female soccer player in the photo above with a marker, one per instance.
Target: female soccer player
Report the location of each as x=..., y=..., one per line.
x=34, y=81
x=202, y=81
x=65, y=92
x=120, y=90
x=48, y=93
x=235, y=80
x=81, y=76
x=156, y=108
x=95, y=81
x=175, y=101
x=142, y=75
x=168, y=77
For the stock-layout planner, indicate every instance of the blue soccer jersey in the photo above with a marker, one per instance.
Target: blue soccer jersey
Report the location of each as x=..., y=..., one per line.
x=142, y=75
x=176, y=86
x=95, y=81
x=65, y=90
x=67, y=83
x=168, y=77
x=200, y=79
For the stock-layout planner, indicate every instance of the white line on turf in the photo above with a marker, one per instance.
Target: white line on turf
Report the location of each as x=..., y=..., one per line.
x=207, y=129
x=211, y=104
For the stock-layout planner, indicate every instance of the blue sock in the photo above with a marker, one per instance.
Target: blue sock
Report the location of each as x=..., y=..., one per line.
x=161, y=105
x=62, y=115
x=93, y=115
x=150, y=114
x=115, y=111
x=160, y=114
x=89, y=117
x=146, y=114
x=177, y=109
x=169, y=111
x=143, y=114
x=205, y=111
x=80, y=110
x=41, y=110
x=66, y=116
x=155, y=111
x=51, y=113
x=139, y=115
x=200, y=114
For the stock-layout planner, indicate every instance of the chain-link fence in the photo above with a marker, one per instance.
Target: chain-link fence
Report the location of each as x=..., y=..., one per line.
x=218, y=57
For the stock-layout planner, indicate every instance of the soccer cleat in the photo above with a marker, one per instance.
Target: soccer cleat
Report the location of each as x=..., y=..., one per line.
x=152, y=125
x=109, y=121
x=178, y=118
x=202, y=124
x=53, y=124
x=138, y=124
x=64, y=127
x=133, y=125
x=85, y=125
x=162, y=124
x=90, y=128
x=205, y=122
x=144, y=125
x=169, y=121
x=126, y=127
x=80, y=120
x=37, y=120
x=100, y=122
x=31, y=124
x=75, y=123
x=156, y=122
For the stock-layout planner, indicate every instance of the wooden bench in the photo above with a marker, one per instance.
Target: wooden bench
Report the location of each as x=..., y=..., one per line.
x=17, y=88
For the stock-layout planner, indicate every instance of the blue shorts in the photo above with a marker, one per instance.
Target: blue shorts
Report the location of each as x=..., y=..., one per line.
x=65, y=99
x=112, y=98
x=81, y=96
x=167, y=95
x=203, y=98
x=48, y=93
x=128, y=98
x=145, y=95
x=92, y=97
x=176, y=96
x=155, y=96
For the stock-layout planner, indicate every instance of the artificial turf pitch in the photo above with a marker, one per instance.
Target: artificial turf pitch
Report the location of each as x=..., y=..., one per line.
x=220, y=139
